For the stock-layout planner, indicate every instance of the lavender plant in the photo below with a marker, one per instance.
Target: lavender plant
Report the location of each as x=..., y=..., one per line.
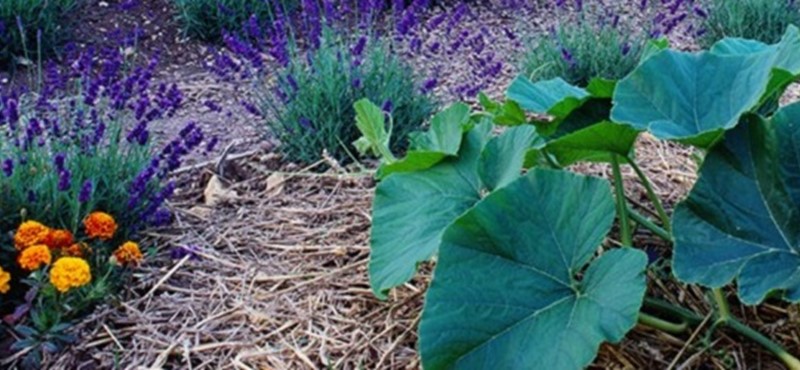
x=30, y=26
x=310, y=69
x=82, y=142
x=593, y=39
x=762, y=20
x=209, y=19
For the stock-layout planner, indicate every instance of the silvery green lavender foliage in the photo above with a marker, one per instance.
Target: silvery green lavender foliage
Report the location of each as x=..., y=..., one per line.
x=29, y=26
x=209, y=19
x=332, y=53
x=81, y=142
x=762, y=20
x=597, y=41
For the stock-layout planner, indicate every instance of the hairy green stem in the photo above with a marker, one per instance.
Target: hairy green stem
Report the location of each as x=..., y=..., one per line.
x=622, y=208
x=663, y=325
x=662, y=214
x=646, y=223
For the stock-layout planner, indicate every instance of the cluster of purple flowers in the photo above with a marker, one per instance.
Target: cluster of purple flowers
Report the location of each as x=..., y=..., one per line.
x=411, y=26
x=671, y=14
x=68, y=119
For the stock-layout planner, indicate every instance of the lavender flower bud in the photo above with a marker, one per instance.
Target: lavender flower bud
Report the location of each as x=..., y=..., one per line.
x=86, y=192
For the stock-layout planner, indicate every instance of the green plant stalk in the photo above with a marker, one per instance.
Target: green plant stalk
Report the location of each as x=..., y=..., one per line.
x=663, y=325
x=622, y=208
x=723, y=311
x=667, y=308
x=648, y=224
x=662, y=214
x=790, y=361
x=724, y=318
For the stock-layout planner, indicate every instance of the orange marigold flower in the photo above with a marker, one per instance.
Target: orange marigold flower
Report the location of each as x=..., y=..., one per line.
x=128, y=254
x=5, y=280
x=100, y=225
x=75, y=250
x=70, y=272
x=33, y=257
x=30, y=233
x=57, y=239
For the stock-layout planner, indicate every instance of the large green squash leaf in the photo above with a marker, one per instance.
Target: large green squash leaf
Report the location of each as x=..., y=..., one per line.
x=601, y=88
x=508, y=113
x=442, y=139
x=692, y=97
x=412, y=209
x=554, y=97
x=585, y=135
x=506, y=292
x=788, y=49
x=653, y=47
x=742, y=219
x=596, y=143
x=507, y=149
x=786, y=65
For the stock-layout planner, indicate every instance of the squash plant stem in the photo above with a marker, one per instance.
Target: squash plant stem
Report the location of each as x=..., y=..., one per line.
x=663, y=325
x=647, y=224
x=662, y=214
x=724, y=318
x=622, y=208
x=790, y=361
x=723, y=311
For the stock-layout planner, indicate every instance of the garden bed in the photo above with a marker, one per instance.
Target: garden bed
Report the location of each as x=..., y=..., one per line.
x=279, y=280
x=270, y=268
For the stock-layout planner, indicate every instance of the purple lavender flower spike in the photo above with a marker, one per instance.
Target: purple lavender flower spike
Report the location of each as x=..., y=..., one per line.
x=8, y=167
x=86, y=192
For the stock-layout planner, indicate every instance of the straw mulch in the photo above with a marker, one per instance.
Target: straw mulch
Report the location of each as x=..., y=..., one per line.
x=279, y=281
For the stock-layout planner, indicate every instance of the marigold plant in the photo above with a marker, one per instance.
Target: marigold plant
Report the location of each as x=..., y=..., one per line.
x=74, y=259
x=76, y=250
x=100, y=225
x=128, y=254
x=34, y=257
x=5, y=280
x=70, y=272
x=59, y=239
x=30, y=233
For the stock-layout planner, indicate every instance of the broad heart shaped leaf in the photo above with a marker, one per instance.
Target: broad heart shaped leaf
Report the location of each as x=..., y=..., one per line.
x=507, y=113
x=442, y=139
x=411, y=210
x=554, y=97
x=502, y=159
x=742, y=218
x=788, y=49
x=505, y=293
x=691, y=97
x=653, y=47
x=585, y=135
x=601, y=87
x=787, y=62
x=596, y=143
